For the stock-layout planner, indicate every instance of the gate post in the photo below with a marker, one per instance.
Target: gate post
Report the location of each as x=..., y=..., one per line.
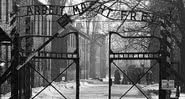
x=14, y=71
x=165, y=64
x=110, y=61
x=162, y=93
x=77, y=61
x=110, y=80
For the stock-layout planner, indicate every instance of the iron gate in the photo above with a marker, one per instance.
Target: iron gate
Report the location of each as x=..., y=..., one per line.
x=51, y=61
x=74, y=56
x=130, y=56
x=22, y=80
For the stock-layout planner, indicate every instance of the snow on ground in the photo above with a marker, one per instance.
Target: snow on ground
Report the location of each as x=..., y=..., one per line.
x=93, y=89
x=150, y=87
x=156, y=88
x=182, y=96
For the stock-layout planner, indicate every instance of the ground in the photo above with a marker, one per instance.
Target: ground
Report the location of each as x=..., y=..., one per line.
x=93, y=89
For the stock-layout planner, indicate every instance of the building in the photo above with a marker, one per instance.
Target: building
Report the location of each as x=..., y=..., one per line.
x=100, y=63
x=97, y=49
x=6, y=6
x=33, y=30
x=58, y=45
x=84, y=50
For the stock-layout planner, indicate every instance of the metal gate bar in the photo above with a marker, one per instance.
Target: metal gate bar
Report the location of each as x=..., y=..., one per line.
x=75, y=60
x=12, y=69
x=50, y=83
x=134, y=84
x=130, y=56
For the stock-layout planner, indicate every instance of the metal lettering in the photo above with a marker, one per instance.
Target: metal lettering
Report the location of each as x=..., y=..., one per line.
x=101, y=9
x=61, y=10
x=123, y=14
x=44, y=9
x=76, y=10
x=37, y=10
x=145, y=16
x=83, y=6
x=133, y=16
x=51, y=9
x=109, y=10
x=98, y=8
x=29, y=10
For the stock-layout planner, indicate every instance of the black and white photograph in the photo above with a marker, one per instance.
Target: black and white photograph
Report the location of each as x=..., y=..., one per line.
x=92, y=49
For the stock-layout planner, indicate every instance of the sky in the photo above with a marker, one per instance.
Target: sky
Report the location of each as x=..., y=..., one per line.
x=43, y=1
